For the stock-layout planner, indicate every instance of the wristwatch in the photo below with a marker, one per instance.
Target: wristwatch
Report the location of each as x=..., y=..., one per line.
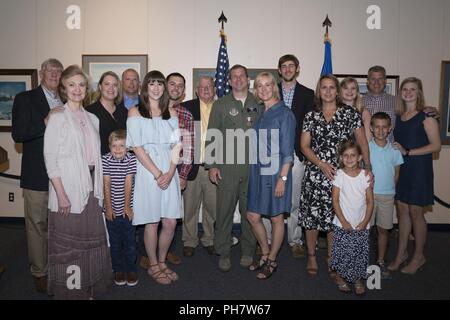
x=284, y=178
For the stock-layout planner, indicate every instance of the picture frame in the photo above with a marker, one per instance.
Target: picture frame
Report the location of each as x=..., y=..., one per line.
x=445, y=102
x=197, y=73
x=12, y=82
x=392, y=82
x=94, y=65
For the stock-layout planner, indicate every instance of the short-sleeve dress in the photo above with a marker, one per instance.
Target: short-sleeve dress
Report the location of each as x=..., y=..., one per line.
x=415, y=183
x=157, y=137
x=316, y=206
x=274, y=146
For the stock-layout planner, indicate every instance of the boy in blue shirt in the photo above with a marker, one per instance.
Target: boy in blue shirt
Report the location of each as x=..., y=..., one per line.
x=386, y=163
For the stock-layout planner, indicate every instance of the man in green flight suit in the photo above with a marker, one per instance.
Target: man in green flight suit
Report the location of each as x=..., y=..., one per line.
x=227, y=156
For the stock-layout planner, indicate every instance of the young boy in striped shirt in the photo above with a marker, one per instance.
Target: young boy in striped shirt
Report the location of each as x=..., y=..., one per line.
x=119, y=168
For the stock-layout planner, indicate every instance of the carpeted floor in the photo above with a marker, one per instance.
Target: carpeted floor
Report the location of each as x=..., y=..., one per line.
x=200, y=278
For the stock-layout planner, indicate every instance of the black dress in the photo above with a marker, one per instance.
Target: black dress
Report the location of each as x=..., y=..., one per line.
x=107, y=122
x=415, y=183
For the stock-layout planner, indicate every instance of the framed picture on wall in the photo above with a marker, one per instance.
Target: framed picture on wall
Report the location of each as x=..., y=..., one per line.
x=445, y=102
x=12, y=82
x=197, y=73
x=96, y=64
x=392, y=82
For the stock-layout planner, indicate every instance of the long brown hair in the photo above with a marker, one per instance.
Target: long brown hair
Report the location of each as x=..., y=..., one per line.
x=144, y=103
x=318, y=99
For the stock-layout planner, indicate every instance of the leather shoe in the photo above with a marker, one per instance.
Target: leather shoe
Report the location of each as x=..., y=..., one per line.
x=210, y=250
x=41, y=284
x=188, y=251
x=144, y=262
x=224, y=263
x=298, y=251
x=173, y=258
x=246, y=261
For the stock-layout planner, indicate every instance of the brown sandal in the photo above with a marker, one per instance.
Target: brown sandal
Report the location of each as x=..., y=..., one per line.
x=360, y=288
x=159, y=276
x=332, y=273
x=258, y=263
x=267, y=270
x=312, y=271
x=169, y=273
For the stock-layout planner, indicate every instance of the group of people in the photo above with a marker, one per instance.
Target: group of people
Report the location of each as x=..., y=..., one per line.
x=327, y=161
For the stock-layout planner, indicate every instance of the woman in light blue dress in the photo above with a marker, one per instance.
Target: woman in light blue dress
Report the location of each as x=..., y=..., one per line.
x=152, y=132
x=270, y=182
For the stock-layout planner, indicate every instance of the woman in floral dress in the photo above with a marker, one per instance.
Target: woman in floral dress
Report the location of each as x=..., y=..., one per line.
x=323, y=131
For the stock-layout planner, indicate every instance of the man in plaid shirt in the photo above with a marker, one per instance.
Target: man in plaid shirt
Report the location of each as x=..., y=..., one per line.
x=175, y=86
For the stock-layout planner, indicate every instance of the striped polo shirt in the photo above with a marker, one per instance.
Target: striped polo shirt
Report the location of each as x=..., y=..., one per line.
x=118, y=170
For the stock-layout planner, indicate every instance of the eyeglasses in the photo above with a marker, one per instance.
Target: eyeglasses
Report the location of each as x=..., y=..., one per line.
x=205, y=88
x=53, y=70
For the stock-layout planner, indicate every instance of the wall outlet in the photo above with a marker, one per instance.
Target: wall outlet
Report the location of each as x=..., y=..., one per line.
x=11, y=197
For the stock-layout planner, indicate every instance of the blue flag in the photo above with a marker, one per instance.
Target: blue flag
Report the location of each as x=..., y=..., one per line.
x=221, y=78
x=327, y=67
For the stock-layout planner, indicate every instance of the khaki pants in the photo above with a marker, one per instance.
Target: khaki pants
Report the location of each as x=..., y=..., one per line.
x=200, y=191
x=36, y=224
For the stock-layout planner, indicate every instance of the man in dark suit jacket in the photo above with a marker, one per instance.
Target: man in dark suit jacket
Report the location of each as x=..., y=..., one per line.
x=30, y=113
x=199, y=189
x=301, y=101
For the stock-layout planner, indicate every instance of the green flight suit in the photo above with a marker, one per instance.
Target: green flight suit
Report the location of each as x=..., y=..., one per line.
x=228, y=113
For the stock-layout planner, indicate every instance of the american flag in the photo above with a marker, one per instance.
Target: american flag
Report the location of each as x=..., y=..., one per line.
x=221, y=78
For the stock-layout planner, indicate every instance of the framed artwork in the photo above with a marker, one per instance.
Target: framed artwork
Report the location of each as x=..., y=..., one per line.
x=197, y=73
x=445, y=102
x=392, y=82
x=95, y=65
x=12, y=82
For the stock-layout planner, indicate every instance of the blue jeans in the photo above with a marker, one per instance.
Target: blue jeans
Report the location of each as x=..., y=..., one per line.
x=123, y=244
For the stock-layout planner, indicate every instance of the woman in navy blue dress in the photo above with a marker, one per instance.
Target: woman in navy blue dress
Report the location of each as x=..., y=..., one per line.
x=270, y=183
x=417, y=137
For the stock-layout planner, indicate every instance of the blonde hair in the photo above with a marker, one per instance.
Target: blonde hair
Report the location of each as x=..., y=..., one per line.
x=119, y=134
x=420, y=103
x=276, y=91
x=98, y=94
x=357, y=102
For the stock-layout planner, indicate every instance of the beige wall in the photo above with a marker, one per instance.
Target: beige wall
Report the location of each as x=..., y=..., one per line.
x=179, y=35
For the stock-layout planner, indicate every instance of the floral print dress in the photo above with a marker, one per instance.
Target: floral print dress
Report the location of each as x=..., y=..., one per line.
x=316, y=208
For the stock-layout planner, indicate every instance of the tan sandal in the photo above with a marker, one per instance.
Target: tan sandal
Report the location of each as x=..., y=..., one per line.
x=332, y=273
x=360, y=288
x=159, y=276
x=169, y=273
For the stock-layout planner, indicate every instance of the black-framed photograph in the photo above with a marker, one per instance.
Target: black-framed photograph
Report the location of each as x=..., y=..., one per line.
x=95, y=65
x=392, y=82
x=197, y=73
x=12, y=82
x=445, y=102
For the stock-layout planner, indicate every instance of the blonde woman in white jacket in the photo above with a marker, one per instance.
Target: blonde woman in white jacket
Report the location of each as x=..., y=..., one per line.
x=77, y=234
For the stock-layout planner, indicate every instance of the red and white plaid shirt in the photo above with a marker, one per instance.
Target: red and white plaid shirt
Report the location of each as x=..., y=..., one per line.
x=186, y=125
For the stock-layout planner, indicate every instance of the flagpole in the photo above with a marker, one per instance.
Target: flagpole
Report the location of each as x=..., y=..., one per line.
x=221, y=76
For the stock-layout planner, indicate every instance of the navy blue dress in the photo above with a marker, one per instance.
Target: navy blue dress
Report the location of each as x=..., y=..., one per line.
x=272, y=150
x=415, y=183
